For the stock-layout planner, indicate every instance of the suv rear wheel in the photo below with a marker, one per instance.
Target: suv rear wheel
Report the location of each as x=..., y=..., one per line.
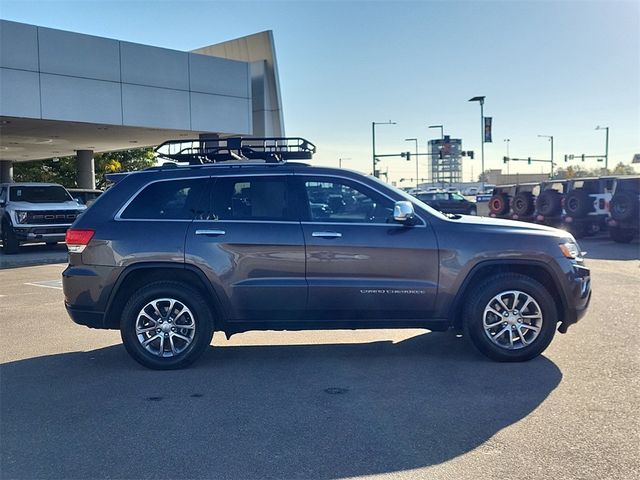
x=510, y=318
x=166, y=325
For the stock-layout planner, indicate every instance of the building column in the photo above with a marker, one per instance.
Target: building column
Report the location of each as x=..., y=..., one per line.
x=6, y=171
x=86, y=177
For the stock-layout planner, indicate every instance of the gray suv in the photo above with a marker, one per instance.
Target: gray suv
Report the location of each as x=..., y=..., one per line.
x=242, y=239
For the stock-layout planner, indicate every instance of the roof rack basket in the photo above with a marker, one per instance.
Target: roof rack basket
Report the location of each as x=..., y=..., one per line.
x=214, y=150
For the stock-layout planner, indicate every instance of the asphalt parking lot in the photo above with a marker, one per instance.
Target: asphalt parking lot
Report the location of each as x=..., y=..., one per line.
x=326, y=405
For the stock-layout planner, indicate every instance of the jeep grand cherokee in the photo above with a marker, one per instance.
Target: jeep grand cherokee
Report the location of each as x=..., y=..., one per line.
x=241, y=239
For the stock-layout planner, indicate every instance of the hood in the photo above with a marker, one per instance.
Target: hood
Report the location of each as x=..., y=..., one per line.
x=509, y=225
x=71, y=205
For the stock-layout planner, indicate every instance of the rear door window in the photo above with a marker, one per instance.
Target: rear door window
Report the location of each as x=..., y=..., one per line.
x=167, y=200
x=260, y=198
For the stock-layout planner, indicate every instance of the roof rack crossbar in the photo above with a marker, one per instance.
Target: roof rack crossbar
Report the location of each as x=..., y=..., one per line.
x=204, y=150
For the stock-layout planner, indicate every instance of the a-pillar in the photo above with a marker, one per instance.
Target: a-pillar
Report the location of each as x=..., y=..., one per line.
x=86, y=169
x=6, y=171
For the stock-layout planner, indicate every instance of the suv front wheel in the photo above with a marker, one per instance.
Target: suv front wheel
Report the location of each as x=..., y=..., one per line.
x=10, y=243
x=510, y=318
x=166, y=325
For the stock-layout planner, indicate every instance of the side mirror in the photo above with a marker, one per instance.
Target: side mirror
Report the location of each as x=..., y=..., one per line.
x=403, y=212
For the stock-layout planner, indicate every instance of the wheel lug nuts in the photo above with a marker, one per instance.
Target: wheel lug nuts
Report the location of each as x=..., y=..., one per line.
x=519, y=320
x=173, y=329
x=515, y=312
x=160, y=322
x=166, y=334
x=158, y=330
x=505, y=324
x=505, y=314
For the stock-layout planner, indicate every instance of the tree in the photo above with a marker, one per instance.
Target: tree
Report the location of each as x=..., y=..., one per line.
x=64, y=170
x=624, y=169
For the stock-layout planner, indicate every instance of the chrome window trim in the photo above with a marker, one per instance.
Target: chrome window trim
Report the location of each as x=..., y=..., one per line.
x=423, y=225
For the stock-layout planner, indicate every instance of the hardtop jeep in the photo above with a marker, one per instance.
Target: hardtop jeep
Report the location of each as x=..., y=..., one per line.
x=625, y=209
x=243, y=239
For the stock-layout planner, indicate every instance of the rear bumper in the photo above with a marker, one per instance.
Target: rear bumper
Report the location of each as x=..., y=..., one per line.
x=87, y=318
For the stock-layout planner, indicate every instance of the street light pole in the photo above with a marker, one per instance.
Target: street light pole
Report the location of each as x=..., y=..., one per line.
x=550, y=137
x=481, y=101
x=340, y=161
x=373, y=139
x=508, y=141
x=417, y=177
x=606, y=146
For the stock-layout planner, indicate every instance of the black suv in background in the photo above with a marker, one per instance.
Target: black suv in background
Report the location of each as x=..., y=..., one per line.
x=240, y=239
x=448, y=202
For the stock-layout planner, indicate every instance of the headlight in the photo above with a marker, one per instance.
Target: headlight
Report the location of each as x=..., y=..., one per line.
x=571, y=250
x=21, y=216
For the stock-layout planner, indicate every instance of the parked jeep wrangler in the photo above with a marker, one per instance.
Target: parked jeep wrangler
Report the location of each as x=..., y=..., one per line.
x=243, y=239
x=586, y=205
x=500, y=201
x=523, y=203
x=549, y=202
x=625, y=209
x=35, y=212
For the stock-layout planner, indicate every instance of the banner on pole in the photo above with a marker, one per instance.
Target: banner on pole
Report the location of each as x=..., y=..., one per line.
x=487, y=129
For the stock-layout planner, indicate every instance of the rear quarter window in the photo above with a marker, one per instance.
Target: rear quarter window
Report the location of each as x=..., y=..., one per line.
x=167, y=200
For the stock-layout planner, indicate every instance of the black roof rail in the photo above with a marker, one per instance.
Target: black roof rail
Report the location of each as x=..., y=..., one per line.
x=205, y=150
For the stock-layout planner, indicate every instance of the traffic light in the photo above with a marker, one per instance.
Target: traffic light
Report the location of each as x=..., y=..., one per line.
x=470, y=154
x=583, y=157
x=566, y=159
x=529, y=160
x=505, y=159
x=408, y=156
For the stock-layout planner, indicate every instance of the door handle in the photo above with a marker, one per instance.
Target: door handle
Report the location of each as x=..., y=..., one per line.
x=213, y=233
x=327, y=234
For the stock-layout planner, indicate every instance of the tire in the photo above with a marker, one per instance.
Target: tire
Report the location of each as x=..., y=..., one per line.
x=193, y=322
x=549, y=203
x=499, y=204
x=523, y=204
x=10, y=243
x=578, y=203
x=498, y=346
x=621, y=235
x=624, y=206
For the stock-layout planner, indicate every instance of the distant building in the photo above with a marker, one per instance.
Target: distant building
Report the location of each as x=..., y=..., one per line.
x=496, y=177
x=445, y=159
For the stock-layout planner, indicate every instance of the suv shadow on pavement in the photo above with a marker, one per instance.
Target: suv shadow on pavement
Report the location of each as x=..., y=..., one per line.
x=320, y=411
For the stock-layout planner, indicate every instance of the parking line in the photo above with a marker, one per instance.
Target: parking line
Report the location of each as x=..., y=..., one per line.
x=55, y=284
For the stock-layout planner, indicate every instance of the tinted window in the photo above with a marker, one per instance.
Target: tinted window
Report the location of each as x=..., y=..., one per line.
x=250, y=198
x=170, y=200
x=346, y=202
x=39, y=194
x=457, y=197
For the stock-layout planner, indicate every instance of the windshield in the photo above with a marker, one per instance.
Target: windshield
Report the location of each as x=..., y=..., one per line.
x=410, y=198
x=39, y=194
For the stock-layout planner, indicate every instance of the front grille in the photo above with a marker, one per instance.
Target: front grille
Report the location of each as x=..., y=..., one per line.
x=49, y=230
x=51, y=217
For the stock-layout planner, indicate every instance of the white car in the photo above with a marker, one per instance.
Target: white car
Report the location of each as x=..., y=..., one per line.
x=35, y=212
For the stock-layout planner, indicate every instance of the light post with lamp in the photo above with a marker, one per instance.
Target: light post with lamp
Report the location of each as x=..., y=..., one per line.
x=606, y=147
x=507, y=141
x=373, y=140
x=550, y=137
x=481, y=101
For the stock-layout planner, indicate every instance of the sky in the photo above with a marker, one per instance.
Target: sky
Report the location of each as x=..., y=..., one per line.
x=556, y=68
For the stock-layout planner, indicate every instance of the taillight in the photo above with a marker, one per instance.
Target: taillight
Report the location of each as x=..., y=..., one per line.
x=77, y=239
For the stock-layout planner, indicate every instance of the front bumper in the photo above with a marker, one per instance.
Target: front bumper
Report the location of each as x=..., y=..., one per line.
x=578, y=296
x=41, y=233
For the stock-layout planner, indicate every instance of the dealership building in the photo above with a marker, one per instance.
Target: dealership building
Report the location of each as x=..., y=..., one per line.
x=69, y=94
